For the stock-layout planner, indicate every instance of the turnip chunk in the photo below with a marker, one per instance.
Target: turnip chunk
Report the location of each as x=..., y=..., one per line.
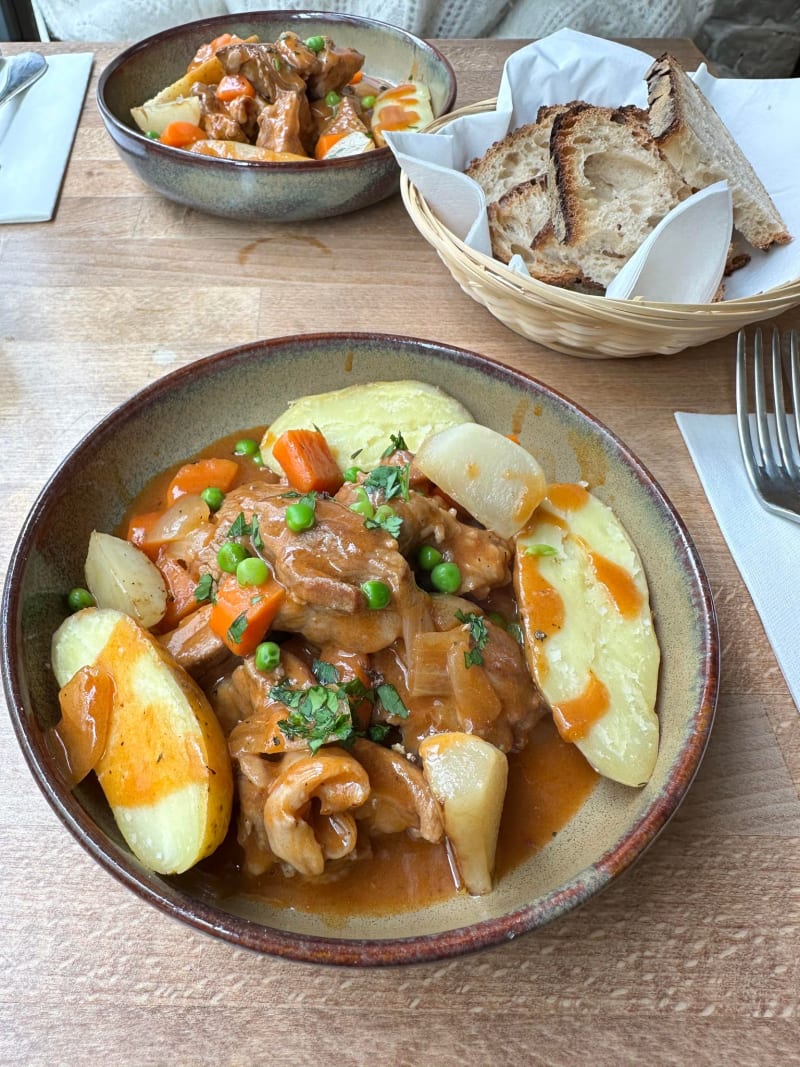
x=496, y=480
x=120, y=576
x=468, y=777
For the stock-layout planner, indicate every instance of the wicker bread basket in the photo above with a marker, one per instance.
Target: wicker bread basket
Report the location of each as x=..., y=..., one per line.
x=576, y=323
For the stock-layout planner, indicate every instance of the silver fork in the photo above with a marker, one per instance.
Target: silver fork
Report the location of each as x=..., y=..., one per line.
x=770, y=441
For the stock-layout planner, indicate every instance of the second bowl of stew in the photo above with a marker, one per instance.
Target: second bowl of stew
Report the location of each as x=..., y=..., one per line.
x=265, y=109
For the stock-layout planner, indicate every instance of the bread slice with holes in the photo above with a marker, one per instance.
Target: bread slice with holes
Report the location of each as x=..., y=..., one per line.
x=700, y=147
x=521, y=156
x=519, y=224
x=609, y=185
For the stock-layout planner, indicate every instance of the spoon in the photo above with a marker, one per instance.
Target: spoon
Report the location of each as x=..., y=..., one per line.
x=21, y=71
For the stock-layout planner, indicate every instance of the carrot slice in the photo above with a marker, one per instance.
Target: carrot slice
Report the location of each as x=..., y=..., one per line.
x=242, y=614
x=181, y=134
x=139, y=533
x=307, y=461
x=204, y=473
x=233, y=86
x=359, y=74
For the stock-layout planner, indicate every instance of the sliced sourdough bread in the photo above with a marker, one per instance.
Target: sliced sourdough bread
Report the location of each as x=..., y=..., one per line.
x=700, y=147
x=520, y=156
x=609, y=185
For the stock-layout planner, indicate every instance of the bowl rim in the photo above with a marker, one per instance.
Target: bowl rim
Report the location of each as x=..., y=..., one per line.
x=310, y=948
x=256, y=165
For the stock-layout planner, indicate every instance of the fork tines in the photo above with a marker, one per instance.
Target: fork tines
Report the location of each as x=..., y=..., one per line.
x=770, y=438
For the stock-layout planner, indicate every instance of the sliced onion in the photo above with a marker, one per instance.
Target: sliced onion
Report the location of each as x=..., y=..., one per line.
x=185, y=515
x=120, y=576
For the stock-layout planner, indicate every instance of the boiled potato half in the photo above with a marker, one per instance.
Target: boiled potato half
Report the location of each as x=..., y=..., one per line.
x=496, y=480
x=365, y=416
x=468, y=776
x=590, y=640
x=165, y=770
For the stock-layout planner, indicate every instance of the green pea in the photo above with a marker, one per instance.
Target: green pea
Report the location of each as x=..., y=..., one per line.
x=446, y=577
x=246, y=447
x=378, y=594
x=368, y=101
x=351, y=474
x=268, y=656
x=300, y=516
x=153, y=135
x=332, y=98
x=316, y=44
x=78, y=599
x=428, y=557
x=252, y=571
x=230, y=555
x=213, y=497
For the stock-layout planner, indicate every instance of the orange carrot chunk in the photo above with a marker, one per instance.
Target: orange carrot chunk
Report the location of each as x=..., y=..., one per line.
x=205, y=473
x=307, y=461
x=233, y=86
x=182, y=134
x=242, y=614
x=326, y=142
x=139, y=532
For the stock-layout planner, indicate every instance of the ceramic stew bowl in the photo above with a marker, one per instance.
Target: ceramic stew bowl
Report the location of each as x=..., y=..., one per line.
x=250, y=386
x=253, y=190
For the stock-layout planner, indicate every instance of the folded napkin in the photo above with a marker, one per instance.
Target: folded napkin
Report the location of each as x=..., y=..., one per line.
x=765, y=547
x=36, y=133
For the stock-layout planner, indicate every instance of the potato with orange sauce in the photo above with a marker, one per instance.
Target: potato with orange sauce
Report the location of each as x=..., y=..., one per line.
x=590, y=641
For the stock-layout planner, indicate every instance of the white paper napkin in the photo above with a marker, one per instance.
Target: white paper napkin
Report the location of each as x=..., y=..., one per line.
x=37, y=129
x=760, y=114
x=765, y=547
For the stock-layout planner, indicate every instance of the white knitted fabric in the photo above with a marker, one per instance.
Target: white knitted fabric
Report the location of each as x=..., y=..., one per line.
x=108, y=20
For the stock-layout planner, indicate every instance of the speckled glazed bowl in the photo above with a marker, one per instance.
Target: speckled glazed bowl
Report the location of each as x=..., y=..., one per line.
x=264, y=191
x=225, y=393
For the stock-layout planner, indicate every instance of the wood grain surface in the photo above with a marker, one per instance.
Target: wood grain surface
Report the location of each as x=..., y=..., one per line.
x=691, y=958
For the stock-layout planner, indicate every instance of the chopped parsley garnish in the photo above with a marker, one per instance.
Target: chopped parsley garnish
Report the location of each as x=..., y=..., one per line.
x=378, y=732
x=540, y=550
x=478, y=635
x=237, y=628
x=397, y=445
x=325, y=673
x=255, y=534
x=204, y=590
x=240, y=527
x=389, y=480
x=322, y=713
x=385, y=519
x=317, y=714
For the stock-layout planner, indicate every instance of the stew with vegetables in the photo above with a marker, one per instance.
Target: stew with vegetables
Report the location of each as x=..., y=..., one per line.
x=287, y=101
x=329, y=678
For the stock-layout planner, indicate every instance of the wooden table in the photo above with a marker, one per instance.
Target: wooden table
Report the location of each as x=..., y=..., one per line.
x=690, y=958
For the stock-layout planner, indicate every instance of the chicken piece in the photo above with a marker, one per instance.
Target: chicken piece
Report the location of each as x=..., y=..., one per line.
x=400, y=798
x=335, y=68
x=258, y=730
x=331, y=778
x=281, y=125
x=323, y=569
x=264, y=66
x=245, y=110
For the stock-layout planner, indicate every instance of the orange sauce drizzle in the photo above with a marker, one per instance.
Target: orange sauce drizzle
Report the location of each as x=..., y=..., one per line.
x=545, y=610
x=574, y=718
x=619, y=583
x=568, y=497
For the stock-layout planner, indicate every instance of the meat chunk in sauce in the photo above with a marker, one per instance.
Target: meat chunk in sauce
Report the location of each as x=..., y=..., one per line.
x=286, y=125
x=335, y=68
x=324, y=568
